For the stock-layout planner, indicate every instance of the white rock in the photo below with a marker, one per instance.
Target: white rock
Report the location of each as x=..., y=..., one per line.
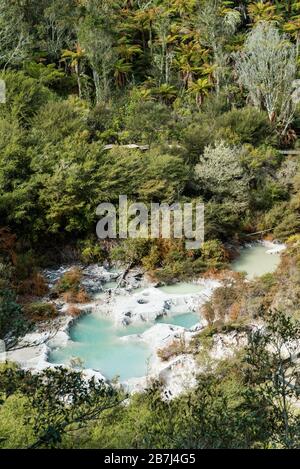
x=179, y=376
x=273, y=248
x=161, y=335
x=124, y=307
x=152, y=303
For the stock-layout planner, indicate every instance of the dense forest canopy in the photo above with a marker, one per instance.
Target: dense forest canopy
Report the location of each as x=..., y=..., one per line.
x=185, y=77
x=209, y=92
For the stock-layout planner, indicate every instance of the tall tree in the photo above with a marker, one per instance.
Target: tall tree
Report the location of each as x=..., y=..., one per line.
x=217, y=23
x=273, y=359
x=163, y=51
x=97, y=38
x=14, y=34
x=267, y=69
x=57, y=28
x=75, y=58
x=292, y=26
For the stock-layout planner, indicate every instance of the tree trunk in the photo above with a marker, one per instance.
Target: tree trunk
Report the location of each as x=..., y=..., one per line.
x=123, y=276
x=77, y=68
x=150, y=39
x=96, y=79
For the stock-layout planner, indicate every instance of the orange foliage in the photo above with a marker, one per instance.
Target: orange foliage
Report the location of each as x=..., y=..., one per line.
x=74, y=311
x=8, y=243
x=82, y=296
x=234, y=311
x=177, y=347
x=35, y=285
x=72, y=296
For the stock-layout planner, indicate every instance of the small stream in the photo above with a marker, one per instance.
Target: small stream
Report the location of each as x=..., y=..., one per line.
x=98, y=343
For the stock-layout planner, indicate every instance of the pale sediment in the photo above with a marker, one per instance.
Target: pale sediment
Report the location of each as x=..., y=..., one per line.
x=129, y=306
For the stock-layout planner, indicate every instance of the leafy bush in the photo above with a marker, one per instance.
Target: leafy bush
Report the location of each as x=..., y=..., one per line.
x=24, y=96
x=223, y=220
x=40, y=311
x=239, y=126
x=100, y=123
x=130, y=251
x=248, y=125
x=57, y=120
x=12, y=320
x=69, y=281
x=92, y=251
x=220, y=174
x=213, y=254
x=146, y=122
x=283, y=220
x=152, y=260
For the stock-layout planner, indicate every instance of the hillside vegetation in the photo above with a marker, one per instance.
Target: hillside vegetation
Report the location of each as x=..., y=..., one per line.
x=209, y=92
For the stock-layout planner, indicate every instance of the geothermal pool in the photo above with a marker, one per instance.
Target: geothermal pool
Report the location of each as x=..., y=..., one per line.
x=186, y=320
x=98, y=343
x=255, y=261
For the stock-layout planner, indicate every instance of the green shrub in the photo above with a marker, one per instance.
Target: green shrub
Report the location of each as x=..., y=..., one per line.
x=213, y=253
x=57, y=120
x=247, y=125
x=146, y=121
x=40, y=311
x=100, y=123
x=130, y=251
x=12, y=320
x=284, y=221
x=70, y=281
x=220, y=174
x=153, y=259
x=92, y=252
x=266, y=196
x=24, y=96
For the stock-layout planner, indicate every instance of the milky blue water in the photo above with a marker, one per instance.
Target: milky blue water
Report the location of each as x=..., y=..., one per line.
x=98, y=343
x=186, y=320
x=182, y=288
x=110, y=285
x=255, y=261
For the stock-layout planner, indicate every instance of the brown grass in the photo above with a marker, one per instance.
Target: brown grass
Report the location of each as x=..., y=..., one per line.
x=69, y=281
x=74, y=311
x=35, y=285
x=177, y=347
x=234, y=311
x=82, y=296
x=76, y=297
x=208, y=313
x=69, y=287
